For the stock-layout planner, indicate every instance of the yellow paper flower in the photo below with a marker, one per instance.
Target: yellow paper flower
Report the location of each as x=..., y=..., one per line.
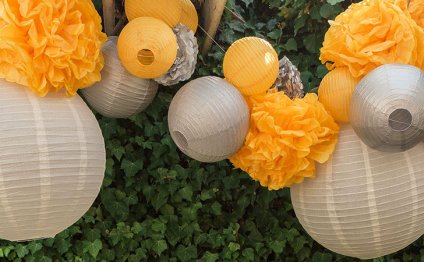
x=285, y=139
x=50, y=44
x=416, y=9
x=372, y=33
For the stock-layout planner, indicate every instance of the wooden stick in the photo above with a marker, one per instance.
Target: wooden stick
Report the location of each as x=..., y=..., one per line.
x=109, y=16
x=212, y=13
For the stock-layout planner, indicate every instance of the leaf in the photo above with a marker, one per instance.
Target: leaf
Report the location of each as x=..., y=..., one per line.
x=326, y=11
x=321, y=257
x=93, y=248
x=21, y=250
x=158, y=246
x=132, y=168
x=34, y=247
x=186, y=253
x=62, y=245
x=334, y=2
x=291, y=45
x=209, y=257
x=312, y=43
x=234, y=246
x=298, y=243
x=278, y=246
x=186, y=193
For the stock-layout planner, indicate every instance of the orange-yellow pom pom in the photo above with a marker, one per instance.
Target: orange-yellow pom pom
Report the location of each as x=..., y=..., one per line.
x=51, y=45
x=147, y=47
x=372, y=33
x=285, y=139
x=251, y=65
x=335, y=92
x=169, y=11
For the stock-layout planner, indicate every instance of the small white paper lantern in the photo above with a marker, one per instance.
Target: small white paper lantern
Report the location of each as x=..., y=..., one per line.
x=119, y=94
x=387, y=109
x=208, y=119
x=364, y=203
x=52, y=162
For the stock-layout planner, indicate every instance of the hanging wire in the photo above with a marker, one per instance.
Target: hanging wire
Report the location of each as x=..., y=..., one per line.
x=204, y=31
x=235, y=14
x=210, y=37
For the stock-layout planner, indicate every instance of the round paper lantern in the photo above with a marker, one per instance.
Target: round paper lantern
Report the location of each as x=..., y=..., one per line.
x=147, y=47
x=189, y=15
x=169, y=11
x=52, y=164
x=335, y=93
x=208, y=119
x=387, y=109
x=364, y=203
x=119, y=94
x=251, y=65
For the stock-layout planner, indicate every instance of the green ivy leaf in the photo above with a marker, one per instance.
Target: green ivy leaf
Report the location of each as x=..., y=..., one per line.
x=321, y=257
x=158, y=246
x=334, y=2
x=21, y=250
x=291, y=45
x=34, y=247
x=131, y=168
x=209, y=257
x=93, y=248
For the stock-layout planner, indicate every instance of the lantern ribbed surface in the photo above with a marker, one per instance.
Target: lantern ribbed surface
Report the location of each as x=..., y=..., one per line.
x=169, y=11
x=208, y=119
x=52, y=164
x=363, y=203
x=119, y=94
x=147, y=47
x=335, y=93
x=189, y=15
x=387, y=109
x=251, y=65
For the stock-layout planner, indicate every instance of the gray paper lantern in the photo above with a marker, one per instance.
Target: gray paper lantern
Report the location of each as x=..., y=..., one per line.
x=208, y=119
x=52, y=162
x=387, y=109
x=363, y=203
x=119, y=94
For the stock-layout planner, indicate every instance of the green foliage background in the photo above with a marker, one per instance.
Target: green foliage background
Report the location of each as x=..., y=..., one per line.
x=158, y=205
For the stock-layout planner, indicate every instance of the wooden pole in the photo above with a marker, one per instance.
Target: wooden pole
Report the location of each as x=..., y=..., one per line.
x=109, y=16
x=212, y=13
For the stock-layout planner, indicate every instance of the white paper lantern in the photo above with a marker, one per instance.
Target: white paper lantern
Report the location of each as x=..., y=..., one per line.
x=208, y=119
x=52, y=162
x=119, y=94
x=364, y=203
x=387, y=109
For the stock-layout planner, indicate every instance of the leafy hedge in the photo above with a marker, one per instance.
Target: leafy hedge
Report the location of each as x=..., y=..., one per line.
x=158, y=205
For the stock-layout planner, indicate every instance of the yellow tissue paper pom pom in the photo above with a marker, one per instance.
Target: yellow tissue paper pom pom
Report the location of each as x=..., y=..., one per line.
x=372, y=33
x=251, y=65
x=285, y=139
x=335, y=93
x=50, y=45
x=416, y=9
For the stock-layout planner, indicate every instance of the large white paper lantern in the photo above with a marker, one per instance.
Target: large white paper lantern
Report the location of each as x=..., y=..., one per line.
x=208, y=119
x=119, y=94
x=52, y=162
x=387, y=109
x=364, y=203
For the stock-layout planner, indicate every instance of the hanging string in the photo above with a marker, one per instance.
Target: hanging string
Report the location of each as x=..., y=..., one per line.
x=235, y=14
x=204, y=31
x=210, y=37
